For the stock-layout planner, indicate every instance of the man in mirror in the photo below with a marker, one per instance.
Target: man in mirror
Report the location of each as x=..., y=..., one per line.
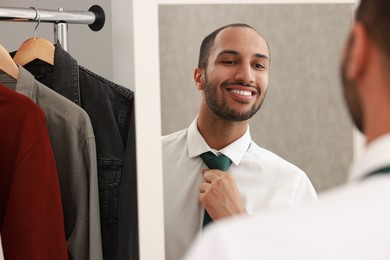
x=213, y=169
x=349, y=222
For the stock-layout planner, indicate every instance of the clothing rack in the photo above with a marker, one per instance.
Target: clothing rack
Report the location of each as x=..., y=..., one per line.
x=94, y=17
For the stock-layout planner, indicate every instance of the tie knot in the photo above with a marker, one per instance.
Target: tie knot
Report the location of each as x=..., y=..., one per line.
x=220, y=162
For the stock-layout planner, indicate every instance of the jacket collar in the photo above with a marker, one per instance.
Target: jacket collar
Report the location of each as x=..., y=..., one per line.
x=66, y=75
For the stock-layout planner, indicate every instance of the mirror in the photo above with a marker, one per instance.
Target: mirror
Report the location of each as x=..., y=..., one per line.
x=303, y=118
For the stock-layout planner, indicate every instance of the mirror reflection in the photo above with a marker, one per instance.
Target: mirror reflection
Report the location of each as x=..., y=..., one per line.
x=303, y=100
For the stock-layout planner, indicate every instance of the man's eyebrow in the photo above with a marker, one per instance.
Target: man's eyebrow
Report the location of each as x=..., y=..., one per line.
x=261, y=56
x=231, y=52
x=228, y=52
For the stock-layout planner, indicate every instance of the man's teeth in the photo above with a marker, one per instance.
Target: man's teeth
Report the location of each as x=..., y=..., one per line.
x=241, y=92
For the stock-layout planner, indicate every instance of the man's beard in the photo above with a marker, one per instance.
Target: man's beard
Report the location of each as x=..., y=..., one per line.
x=222, y=110
x=350, y=92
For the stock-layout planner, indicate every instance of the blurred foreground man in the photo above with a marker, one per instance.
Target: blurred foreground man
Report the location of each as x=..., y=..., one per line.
x=351, y=222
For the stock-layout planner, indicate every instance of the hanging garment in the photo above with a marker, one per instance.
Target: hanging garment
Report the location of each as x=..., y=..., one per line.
x=73, y=143
x=31, y=219
x=111, y=110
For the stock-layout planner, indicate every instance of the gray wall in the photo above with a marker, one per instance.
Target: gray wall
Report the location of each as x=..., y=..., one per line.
x=92, y=50
x=303, y=118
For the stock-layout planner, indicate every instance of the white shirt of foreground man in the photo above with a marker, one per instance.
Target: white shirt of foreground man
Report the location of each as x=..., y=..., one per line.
x=349, y=223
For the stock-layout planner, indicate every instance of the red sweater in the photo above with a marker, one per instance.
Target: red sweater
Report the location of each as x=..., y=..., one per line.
x=31, y=220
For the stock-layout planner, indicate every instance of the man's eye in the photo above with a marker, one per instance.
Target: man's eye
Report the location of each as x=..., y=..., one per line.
x=259, y=66
x=229, y=62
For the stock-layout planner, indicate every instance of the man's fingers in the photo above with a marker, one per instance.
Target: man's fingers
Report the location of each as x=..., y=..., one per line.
x=201, y=197
x=211, y=175
x=203, y=187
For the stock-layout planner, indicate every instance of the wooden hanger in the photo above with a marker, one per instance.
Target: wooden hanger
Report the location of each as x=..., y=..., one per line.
x=35, y=48
x=7, y=64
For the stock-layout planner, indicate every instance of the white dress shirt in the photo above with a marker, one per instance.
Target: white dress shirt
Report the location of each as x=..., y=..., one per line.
x=351, y=222
x=264, y=179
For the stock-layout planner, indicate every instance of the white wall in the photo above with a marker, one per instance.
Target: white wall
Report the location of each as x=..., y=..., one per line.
x=122, y=42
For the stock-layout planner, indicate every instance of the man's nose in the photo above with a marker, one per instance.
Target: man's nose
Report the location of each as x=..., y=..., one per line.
x=245, y=74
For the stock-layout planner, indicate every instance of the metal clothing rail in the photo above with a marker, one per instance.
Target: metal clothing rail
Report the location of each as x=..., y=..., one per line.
x=94, y=17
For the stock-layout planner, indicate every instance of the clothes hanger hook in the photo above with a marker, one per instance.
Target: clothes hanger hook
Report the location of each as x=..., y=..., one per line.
x=37, y=16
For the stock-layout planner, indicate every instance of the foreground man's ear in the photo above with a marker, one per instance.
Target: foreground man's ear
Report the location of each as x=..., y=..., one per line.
x=358, y=53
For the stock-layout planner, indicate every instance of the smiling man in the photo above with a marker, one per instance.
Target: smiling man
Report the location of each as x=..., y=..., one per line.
x=232, y=76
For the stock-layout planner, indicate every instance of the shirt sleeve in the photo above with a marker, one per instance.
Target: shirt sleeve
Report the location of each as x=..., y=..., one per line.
x=304, y=192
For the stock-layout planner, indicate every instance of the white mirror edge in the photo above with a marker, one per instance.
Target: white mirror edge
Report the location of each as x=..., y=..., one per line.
x=148, y=130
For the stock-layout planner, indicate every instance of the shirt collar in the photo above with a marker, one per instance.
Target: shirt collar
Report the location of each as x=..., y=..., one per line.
x=375, y=156
x=197, y=145
x=25, y=84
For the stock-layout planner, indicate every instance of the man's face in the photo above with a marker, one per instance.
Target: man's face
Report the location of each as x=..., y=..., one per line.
x=350, y=89
x=236, y=79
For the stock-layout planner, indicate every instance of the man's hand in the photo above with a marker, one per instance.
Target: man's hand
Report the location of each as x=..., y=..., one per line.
x=219, y=195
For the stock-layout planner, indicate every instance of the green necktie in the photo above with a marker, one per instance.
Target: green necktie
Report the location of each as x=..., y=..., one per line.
x=385, y=170
x=212, y=161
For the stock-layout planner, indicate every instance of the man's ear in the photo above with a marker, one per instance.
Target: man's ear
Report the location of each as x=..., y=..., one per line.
x=358, y=53
x=199, y=78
